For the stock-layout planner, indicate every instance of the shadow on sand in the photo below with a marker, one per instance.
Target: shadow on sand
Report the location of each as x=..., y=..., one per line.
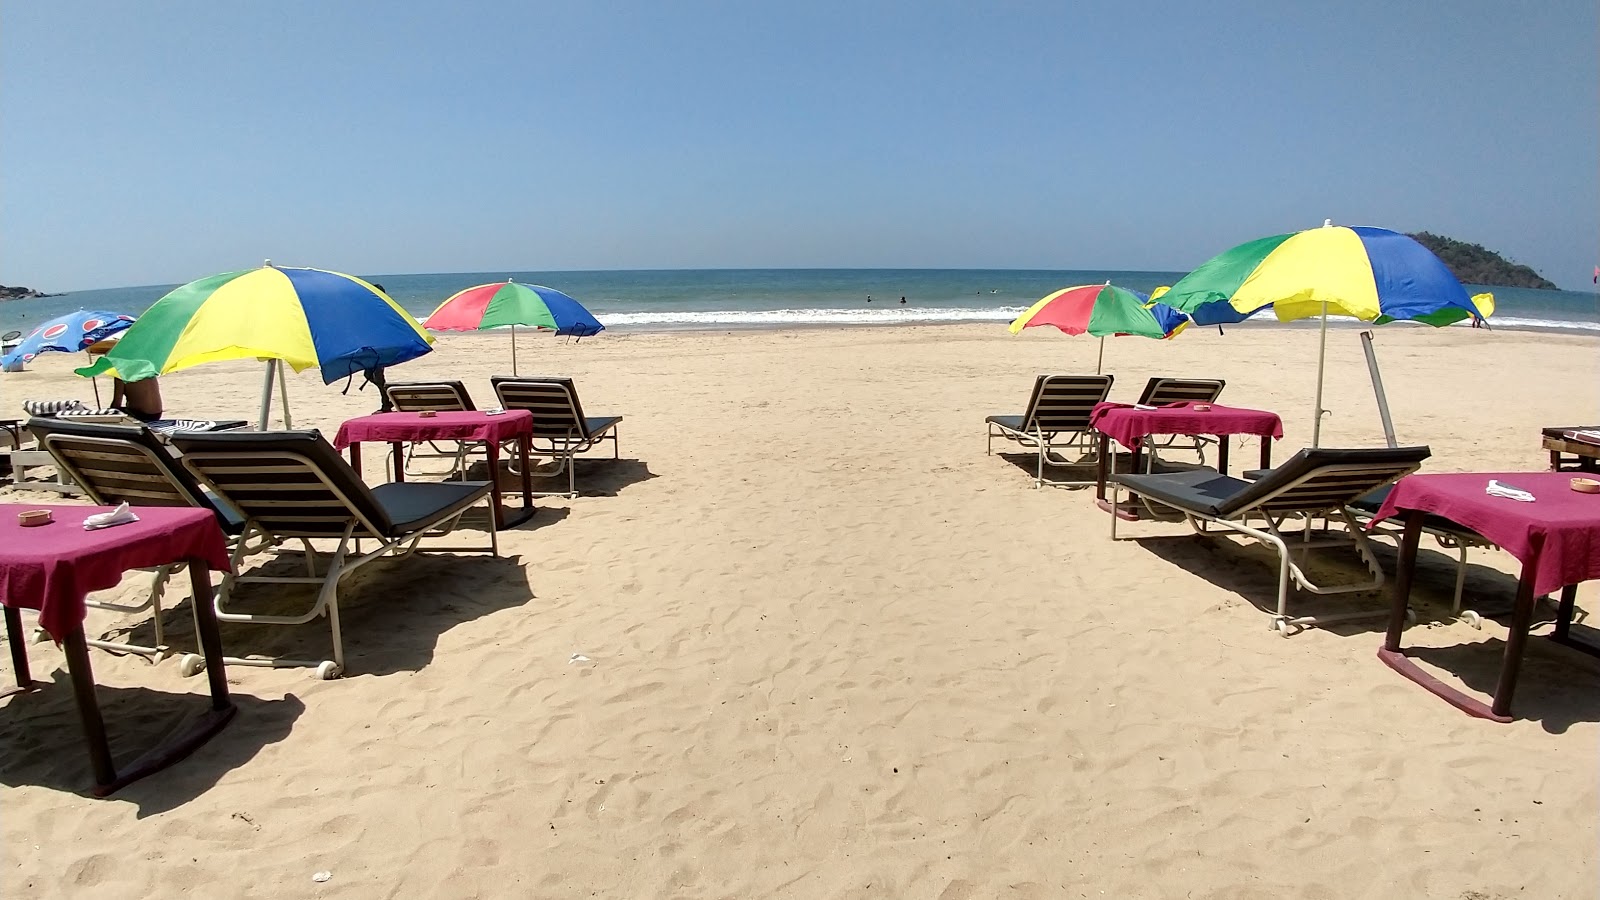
x=41, y=740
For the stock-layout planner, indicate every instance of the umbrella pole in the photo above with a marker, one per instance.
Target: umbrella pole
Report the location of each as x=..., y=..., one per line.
x=1322, y=359
x=513, y=349
x=283, y=394
x=1377, y=388
x=266, y=396
x=1100, y=360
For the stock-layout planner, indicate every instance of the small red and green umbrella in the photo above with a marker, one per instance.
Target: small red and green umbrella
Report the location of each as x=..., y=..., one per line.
x=509, y=304
x=1100, y=310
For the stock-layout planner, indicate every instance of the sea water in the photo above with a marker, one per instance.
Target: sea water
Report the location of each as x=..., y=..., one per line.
x=725, y=299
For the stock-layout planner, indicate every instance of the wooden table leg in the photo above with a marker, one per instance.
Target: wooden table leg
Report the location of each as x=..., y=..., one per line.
x=94, y=727
x=205, y=614
x=355, y=458
x=17, y=638
x=1266, y=452
x=1516, y=641
x=1405, y=571
x=525, y=448
x=399, y=461
x=492, y=449
x=1222, y=454
x=1101, y=473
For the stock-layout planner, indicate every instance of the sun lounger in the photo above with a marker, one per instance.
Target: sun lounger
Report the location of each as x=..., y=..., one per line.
x=1313, y=483
x=1057, y=418
x=437, y=396
x=1160, y=391
x=293, y=484
x=560, y=429
x=128, y=464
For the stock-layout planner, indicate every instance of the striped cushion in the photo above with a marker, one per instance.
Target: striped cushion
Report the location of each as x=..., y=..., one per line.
x=51, y=407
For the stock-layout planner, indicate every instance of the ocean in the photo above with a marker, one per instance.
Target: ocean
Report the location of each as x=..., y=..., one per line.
x=721, y=299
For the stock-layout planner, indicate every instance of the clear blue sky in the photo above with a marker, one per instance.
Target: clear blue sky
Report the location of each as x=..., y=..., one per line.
x=157, y=142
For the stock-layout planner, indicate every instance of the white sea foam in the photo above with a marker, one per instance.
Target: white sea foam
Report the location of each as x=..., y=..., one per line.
x=896, y=315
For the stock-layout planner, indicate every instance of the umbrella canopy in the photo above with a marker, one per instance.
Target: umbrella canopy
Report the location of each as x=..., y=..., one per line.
x=66, y=334
x=509, y=303
x=1100, y=310
x=304, y=317
x=1372, y=274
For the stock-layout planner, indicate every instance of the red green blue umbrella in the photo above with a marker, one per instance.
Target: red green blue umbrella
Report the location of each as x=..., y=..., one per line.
x=1100, y=310
x=304, y=317
x=1372, y=274
x=509, y=304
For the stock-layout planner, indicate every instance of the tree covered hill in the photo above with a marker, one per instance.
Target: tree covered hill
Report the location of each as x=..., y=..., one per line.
x=1475, y=265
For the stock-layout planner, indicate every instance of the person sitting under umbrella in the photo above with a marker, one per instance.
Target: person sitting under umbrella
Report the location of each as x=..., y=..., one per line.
x=140, y=399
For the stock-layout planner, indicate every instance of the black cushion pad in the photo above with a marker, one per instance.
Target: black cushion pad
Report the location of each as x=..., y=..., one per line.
x=414, y=505
x=1201, y=490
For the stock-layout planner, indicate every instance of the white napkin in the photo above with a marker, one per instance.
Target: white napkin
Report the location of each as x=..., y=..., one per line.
x=1496, y=489
x=122, y=515
x=1143, y=406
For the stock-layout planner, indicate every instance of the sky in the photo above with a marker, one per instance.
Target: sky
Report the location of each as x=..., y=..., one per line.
x=159, y=142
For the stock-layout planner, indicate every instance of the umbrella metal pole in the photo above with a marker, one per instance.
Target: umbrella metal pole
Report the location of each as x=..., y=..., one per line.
x=283, y=395
x=1377, y=388
x=513, y=349
x=266, y=396
x=1100, y=360
x=1322, y=358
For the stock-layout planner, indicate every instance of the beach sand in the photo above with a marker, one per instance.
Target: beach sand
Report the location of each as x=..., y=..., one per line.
x=835, y=650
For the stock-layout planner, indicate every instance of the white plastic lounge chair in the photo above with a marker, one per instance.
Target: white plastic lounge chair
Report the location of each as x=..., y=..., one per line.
x=438, y=396
x=293, y=484
x=1057, y=418
x=560, y=429
x=1313, y=483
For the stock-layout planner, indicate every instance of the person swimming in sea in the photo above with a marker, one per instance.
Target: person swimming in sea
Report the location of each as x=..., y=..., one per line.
x=902, y=299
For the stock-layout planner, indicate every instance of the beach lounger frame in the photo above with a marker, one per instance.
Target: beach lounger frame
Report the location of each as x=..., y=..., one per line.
x=1313, y=483
x=293, y=485
x=1447, y=534
x=114, y=464
x=438, y=396
x=560, y=429
x=1058, y=407
x=1161, y=390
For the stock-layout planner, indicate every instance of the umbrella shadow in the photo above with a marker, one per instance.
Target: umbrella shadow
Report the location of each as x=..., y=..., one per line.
x=391, y=611
x=41, y=739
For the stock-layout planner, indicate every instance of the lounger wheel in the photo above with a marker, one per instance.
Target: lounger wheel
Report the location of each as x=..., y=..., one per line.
x=1472, y=618
x=1411, y=616
x=328, y=670
x=191, y=664
x=1282, y=627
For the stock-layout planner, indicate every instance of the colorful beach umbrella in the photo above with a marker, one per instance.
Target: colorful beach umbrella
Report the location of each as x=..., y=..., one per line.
x=66, y=334
x=1372, y=274
x=1100, y=310
x=307, y=318
x=509, y=304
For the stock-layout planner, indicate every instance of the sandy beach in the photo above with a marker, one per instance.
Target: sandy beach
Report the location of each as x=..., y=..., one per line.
x=834, y=650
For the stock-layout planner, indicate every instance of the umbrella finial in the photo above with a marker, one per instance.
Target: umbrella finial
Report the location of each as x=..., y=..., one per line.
x=266, y=264
x=1327, y=223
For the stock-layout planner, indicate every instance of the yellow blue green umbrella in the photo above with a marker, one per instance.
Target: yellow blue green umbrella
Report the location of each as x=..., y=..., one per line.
x=304, y=317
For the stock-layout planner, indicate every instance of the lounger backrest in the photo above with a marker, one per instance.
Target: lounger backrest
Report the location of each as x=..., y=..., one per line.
x=1315, y=480
x=553, y=400
x=1161, y=391
x=443, y=396
x=1063, y=402
x=118, y=464
x=290, y=483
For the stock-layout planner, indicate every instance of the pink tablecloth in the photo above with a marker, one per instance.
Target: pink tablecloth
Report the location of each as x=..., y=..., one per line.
x=52, y=567
x=1557, y=535
x=446, y=426
x=1128, y=426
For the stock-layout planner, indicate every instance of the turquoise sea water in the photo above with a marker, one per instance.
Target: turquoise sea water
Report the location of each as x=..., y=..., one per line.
x=755, y=298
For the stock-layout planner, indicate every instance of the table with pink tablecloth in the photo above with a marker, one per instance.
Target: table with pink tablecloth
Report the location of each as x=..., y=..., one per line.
x=1556, y=537
x=52, y=568
x=492, y=429
x=1129, y=425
